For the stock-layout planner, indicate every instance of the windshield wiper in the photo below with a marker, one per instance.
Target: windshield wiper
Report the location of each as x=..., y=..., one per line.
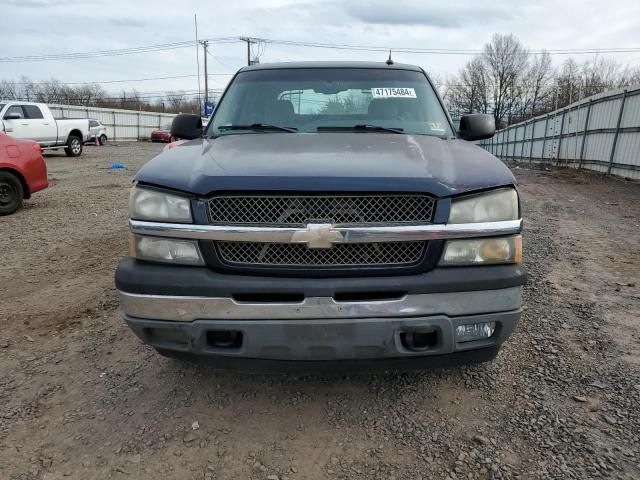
x=365, y=127
x=258, y=126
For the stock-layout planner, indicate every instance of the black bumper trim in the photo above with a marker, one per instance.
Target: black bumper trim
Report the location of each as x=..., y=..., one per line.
x=138, y=277
x=341, y=367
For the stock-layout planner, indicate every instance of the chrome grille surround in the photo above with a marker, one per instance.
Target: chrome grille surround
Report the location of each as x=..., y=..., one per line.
x=340, y=255
x=337, y=209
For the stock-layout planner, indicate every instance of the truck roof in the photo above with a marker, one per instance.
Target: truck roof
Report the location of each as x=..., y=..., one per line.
x=290, y=65
x=21, y=102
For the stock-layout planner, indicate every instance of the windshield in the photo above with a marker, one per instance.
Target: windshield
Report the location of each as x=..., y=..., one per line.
x=325, y=99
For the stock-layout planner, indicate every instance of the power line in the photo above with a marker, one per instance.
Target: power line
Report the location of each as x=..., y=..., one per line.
x=223, y=64
x=104, y=82
x=440, y=51
x=338, y=46
x=114, y=52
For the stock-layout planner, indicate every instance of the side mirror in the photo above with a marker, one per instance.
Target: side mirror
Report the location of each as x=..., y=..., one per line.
x=477, y=126
x=187, y=126
x=13, y=116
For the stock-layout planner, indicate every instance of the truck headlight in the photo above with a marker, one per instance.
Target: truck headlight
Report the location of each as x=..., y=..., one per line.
x=146, y=204
x=165, y=250
x=482, y=251
x=495, y=206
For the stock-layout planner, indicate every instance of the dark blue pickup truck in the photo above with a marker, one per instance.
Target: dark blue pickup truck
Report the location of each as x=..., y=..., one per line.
x=328, y=217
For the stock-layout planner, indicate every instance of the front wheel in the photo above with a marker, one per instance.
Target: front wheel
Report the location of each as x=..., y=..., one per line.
x=103, y=139
x=74, y=146
x=11, y=193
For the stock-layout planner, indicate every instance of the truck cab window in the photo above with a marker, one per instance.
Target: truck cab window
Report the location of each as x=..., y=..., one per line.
x=312, y=100
x=14, y=110
x=32, y=111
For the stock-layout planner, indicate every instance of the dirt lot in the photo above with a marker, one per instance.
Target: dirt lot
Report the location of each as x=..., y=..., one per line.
x=81, y=397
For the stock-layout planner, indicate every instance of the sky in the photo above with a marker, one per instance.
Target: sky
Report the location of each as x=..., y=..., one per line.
x=38, y=27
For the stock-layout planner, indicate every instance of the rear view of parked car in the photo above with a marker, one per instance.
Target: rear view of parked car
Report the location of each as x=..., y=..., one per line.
x=22, y=172
x=163, y=134
x=97, y=130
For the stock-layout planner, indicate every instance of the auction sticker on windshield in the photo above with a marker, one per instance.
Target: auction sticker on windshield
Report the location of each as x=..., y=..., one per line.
x=393, y=92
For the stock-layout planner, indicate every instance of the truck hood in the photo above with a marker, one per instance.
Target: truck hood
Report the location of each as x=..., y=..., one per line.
x=355, y=162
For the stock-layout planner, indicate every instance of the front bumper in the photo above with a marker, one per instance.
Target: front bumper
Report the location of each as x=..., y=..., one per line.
x=321, y=340
x=182, y=309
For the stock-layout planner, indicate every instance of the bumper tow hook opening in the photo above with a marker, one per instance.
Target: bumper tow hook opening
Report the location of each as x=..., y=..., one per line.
x=227, y=339
x=419, y=341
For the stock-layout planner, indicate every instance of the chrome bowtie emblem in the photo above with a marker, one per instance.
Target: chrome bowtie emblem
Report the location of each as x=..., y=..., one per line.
x=318, y=235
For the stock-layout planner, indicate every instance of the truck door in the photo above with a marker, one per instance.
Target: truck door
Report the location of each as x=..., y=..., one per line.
x=15, y=122
x=28, y=122
x=43, y=130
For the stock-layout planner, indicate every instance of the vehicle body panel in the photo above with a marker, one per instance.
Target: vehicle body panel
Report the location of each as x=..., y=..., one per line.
x=96, y=129
x=162, y=134
x=20, y=156
x=327, y=162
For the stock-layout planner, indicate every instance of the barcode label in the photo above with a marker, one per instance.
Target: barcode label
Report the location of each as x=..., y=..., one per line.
x=393, y=92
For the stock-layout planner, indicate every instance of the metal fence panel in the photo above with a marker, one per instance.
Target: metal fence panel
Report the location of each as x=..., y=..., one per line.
x=538, y=129
x=631, y=115
x=600, y=133
x=628, y=149
x=121, y=124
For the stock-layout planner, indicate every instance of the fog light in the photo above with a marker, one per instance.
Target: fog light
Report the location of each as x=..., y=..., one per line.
x=475, y=331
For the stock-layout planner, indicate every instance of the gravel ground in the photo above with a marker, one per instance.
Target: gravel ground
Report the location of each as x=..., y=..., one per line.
x=81, y=397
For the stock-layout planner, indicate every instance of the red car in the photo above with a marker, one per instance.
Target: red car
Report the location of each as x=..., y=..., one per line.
x=22, y=172
x=162, y=135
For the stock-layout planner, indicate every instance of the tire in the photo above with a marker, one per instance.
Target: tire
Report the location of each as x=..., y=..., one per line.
x=11, y=193
x=74, y=146
x=103, y=139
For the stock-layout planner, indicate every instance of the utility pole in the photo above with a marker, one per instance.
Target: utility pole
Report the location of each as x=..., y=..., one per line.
x=249, y=42
x=205, y=46
x=195, y=21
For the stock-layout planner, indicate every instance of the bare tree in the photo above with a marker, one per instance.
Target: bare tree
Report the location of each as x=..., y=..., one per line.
x=175, y=101
x=93, y=95
x=28, y=89
x=8, y=90
x=537, y=84
x=513, y=85
x=494, y=81
x=506, y=60
x=468, y=92
x=632, y=76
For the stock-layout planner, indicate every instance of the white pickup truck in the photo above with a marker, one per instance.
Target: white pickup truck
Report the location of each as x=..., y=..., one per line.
x=34, y=121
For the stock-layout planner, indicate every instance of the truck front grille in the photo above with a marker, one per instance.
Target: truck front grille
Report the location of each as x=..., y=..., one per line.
x=340, y=255
x=299, y=210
